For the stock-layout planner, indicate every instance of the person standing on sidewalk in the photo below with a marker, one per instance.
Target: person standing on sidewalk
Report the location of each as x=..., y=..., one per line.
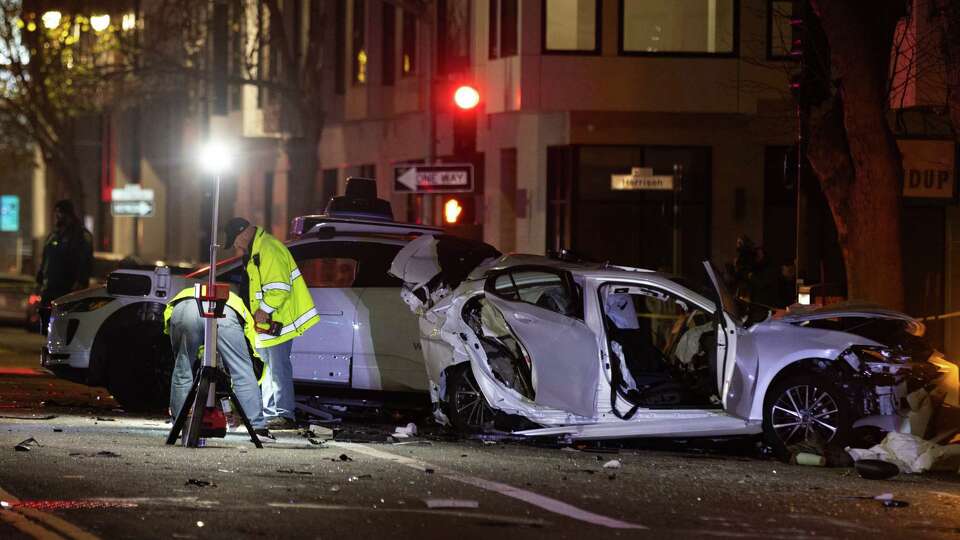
x=67, y=259
x=282, y=310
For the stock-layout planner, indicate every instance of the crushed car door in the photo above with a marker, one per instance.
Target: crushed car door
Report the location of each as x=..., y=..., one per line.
x=728, y=322
x=540, y=307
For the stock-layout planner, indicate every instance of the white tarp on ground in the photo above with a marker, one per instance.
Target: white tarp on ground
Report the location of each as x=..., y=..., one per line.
x=911, y=453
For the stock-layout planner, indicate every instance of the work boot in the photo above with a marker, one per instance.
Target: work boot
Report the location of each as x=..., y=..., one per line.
x=280, y=423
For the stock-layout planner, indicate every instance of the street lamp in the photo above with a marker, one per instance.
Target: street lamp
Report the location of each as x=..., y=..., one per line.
x=99, y=23
x=51, y=19
x=215, y=158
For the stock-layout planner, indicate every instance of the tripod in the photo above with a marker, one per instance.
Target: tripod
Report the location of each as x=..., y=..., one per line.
x=201, y=394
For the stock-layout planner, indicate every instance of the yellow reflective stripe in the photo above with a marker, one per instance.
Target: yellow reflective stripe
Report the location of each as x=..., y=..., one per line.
x=301, y=320
x=275, y=285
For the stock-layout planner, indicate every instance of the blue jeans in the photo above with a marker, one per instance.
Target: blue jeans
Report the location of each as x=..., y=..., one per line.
x=278, y=397
x=186, y=337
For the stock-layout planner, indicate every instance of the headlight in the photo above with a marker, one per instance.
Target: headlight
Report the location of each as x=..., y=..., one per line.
x=87, y=304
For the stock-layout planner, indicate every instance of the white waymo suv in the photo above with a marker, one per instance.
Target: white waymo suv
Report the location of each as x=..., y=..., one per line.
x=365, y=346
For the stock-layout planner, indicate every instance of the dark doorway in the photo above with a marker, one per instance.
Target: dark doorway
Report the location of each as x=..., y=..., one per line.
x=629, y=227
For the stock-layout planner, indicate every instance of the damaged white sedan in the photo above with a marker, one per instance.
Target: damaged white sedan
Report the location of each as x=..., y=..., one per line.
x=589, y=351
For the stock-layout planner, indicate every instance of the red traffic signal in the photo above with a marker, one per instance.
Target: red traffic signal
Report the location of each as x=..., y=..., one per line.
x=466, y=97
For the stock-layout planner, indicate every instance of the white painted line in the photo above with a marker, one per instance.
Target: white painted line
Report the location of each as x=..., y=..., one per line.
x=18, y=517
x=452, y=513
x=542, y=501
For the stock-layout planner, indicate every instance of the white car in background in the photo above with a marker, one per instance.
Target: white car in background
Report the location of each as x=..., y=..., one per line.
x=365, y=346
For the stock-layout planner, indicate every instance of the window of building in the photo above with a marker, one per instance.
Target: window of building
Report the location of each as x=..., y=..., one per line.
x=679, y=27
x=503, y=38
x=453, y=30
x=779, y=30
x=359, y=49
x=408, y=46
x=571, y=26
x=389, y=26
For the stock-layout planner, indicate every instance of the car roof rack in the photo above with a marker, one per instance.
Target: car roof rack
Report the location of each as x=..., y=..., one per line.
x=328, y=226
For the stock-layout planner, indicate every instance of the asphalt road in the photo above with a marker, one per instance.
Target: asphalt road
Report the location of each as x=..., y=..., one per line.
x=98, y=472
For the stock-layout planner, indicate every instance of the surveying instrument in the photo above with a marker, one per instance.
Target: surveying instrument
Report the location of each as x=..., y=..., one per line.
x=200, y=415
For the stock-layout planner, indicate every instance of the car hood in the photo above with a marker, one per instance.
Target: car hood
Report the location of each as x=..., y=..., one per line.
x=844, y=310
x=81, y=294
x=799, y=313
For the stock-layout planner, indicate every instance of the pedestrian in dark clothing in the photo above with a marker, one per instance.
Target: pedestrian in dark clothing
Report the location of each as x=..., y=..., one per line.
x=743, y=266
x=765, y=281
x=67, y=259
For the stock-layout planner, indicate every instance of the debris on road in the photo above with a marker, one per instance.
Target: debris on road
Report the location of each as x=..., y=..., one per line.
x=404, y=432
x=316, y=442
x=360, y=477
x=894, y=503
x=451, y=503
x=199, y=483
x=875, y=469
x=319, y=432
x=344, y=457
x=104, y=419
x=910, y=453
x=293, y=471
x=57, y=430
x=334, y=489
x=809, y=459
x=613, y=464
x=24, y=445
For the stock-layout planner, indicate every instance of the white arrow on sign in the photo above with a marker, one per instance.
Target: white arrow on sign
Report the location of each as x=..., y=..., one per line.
x=409, y=179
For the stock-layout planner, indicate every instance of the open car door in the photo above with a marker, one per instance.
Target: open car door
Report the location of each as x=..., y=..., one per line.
x=563, y=351
x=728, y=322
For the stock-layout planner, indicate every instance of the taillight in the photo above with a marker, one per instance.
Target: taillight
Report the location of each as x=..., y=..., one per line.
x=34, y=299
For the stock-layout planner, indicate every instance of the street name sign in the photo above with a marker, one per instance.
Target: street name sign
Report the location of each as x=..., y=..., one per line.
x=641, y=178
x=131, y=201
x=446, y=178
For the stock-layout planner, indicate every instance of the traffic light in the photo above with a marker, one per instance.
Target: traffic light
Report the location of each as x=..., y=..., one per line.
x=458, y=210
x=452, y=210
x=465, y=99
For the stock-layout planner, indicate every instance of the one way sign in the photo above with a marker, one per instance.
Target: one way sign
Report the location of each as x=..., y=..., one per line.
x=447, y=178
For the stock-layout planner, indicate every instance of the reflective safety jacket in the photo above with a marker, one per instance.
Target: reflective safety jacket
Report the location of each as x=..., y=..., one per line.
x=233, y=301
x=277, y=288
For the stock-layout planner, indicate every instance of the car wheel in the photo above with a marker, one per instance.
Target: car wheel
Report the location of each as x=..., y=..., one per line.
x=808, y=412
x=467, y=409
x=138, y=373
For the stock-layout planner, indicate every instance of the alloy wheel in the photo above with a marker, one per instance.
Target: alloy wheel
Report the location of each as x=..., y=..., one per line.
x=470, y=405
x=805, y=413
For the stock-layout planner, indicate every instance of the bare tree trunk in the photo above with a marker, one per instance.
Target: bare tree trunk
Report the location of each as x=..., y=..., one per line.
x=949, y=13
x=862, y=183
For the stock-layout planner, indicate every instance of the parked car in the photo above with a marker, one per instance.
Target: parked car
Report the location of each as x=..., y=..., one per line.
x=18, y=301
x=595, y=351
x=365, y=345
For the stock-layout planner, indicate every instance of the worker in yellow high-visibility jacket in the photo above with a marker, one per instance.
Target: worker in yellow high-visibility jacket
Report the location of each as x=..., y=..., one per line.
x=235, y=339
x=282, y=308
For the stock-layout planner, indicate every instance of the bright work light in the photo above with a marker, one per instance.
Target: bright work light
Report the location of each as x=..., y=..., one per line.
x=215, y=157
x=100, y=22
x=51, y=19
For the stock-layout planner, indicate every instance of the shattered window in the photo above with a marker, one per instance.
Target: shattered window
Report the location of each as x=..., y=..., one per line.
x=542, y=289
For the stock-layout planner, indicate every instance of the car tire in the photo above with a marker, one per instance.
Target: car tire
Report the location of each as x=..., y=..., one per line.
x=466, y=407
x=138, y=372
x=806, y=412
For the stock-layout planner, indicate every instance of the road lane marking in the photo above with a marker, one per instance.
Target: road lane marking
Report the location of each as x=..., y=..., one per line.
x=542, y=501
x=29, y=521
x=527, y=522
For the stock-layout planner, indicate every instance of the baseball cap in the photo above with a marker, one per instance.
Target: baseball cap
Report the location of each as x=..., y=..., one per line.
x=234, y=227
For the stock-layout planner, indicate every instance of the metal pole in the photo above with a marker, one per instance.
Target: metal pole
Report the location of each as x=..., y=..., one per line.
x=677, y=178
x=210, y=327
